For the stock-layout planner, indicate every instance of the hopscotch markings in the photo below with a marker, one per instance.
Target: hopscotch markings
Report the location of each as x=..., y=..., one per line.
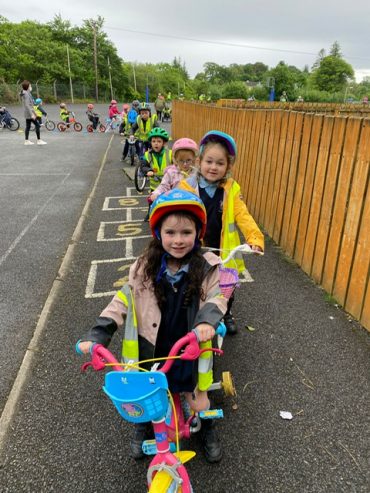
x=100, y=268
x=122, y=232
x=122, y=202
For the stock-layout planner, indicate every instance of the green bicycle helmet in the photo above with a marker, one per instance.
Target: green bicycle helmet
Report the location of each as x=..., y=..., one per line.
x=158, y=132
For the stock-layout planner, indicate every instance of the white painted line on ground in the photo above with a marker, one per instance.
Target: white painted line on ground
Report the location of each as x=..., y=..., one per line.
x=33, y=220
x=34, y=174
x=90, y=285
x=125, y=238
x=9, y=410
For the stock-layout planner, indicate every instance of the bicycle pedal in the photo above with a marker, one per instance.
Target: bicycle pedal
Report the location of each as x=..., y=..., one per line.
x=211, y=414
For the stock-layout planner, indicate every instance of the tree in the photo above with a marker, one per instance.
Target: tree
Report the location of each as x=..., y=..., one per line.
x=335, y=50
x=332, y=75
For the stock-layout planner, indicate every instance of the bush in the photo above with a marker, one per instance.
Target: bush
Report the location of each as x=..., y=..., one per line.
x=235, y=90
x=8, y=94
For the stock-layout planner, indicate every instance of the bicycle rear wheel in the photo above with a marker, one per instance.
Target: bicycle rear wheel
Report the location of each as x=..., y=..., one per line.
x=13, y=124
x=140, y=178
x=62, y=127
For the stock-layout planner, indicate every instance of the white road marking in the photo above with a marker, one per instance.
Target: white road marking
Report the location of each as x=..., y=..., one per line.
x=33, y=220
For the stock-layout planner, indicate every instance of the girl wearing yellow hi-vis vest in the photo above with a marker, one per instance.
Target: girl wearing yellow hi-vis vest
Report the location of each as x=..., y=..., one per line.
x=225, y=207
x=173, y=288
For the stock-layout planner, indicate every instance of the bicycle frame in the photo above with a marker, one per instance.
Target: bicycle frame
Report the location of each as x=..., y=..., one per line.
x=168, y=465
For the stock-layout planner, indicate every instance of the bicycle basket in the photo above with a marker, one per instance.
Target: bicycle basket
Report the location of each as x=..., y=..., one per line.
x=229, y=280
x=139, y=397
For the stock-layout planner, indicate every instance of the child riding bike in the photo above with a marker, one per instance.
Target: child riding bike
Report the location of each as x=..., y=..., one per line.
x=39, y=110
x=64, y=113
x=143, y=125
x=156, y=159
x=224, y=203
x=184, y=154
x=93, y=117
x=172, y=289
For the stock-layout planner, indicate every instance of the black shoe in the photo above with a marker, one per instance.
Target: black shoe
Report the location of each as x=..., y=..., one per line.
x=142, y=432
x=211, y=442
x=146, y=218
x=229, y=321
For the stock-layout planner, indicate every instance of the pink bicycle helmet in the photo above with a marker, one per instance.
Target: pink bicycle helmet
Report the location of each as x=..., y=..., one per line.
x=113, y=101
x=185, y=144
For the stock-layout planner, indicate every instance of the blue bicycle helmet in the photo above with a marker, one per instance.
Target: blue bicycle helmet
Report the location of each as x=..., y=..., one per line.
x=177, y=200
x=38, y=101
x=216, y=135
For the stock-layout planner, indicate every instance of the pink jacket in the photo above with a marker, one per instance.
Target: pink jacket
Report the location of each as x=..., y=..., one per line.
x=171, y=178
x=147, y=311
x=112, y=111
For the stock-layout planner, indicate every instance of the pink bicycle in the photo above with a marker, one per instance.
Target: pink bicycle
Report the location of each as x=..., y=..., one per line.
x=143, y=396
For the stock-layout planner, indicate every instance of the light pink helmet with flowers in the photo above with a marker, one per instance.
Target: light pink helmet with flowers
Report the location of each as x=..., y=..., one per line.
x=185, y=144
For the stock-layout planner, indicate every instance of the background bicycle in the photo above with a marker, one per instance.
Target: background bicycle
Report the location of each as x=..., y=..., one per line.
x=7, y=120
x=63, y=126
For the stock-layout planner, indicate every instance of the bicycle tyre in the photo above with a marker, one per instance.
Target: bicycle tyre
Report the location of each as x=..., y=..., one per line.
x=140, y=179
x=13, y=124
x=50, y=125
x=77, y=127
x=89, y=128
x=132, y=159
x=62, y=127
x=101, y=128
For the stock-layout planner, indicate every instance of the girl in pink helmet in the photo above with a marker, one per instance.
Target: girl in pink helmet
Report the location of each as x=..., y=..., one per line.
x=184, y=155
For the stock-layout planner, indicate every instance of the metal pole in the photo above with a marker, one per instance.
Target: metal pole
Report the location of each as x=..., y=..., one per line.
x=133, y=69
x=37, y=88
x=70, y=78
x=110, y=79
x=96, y=64
x=55, y=90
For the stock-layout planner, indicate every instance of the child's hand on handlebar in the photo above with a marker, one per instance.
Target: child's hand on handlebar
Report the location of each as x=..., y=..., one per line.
x=85, y=346
x=150, y=173
x=205, y=332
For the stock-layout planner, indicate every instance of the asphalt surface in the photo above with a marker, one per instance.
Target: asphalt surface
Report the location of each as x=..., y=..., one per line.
x=304, y=355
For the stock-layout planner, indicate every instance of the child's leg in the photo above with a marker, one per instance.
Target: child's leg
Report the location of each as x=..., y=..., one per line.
x=229, y=319
x=198, y=401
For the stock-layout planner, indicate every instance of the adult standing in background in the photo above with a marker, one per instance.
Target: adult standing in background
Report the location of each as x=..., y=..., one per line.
x=29, y=113
x=159, y=106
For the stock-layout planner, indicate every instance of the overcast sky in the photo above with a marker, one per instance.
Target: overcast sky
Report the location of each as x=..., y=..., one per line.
x=220, y=31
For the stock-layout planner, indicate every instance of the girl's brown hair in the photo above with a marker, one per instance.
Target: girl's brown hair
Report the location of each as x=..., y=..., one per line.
x=26, y=84
x=151, y=262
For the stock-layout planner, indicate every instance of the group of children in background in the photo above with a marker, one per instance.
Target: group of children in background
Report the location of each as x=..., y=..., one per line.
x=173, y=287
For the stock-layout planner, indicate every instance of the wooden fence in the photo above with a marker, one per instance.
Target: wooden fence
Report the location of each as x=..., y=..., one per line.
x=349, y=109
x=305, y=179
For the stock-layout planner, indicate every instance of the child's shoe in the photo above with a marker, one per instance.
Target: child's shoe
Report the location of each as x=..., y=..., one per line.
x=142, y=432
x=28, y=143
x=211, y=442
x=41, y=142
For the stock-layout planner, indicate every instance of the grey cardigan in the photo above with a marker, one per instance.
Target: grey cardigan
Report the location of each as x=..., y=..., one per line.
x=27, y=101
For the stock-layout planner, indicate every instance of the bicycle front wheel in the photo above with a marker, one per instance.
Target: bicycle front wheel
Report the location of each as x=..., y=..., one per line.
x=49, y=125
x=140, y=178
x=164, y=483
x=77, y=127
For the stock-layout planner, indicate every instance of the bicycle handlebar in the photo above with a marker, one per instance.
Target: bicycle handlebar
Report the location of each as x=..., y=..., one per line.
x=100, y=355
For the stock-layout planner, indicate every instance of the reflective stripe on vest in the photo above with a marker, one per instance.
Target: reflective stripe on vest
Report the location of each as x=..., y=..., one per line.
x=205, y=365
x=140, y=132
x=158, y=170
x=130, y=345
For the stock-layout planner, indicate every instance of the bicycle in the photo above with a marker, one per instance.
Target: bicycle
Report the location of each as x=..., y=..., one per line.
x=143, y=396
x=63, y=126
x=100, y=127
x=132, y=154
x=49, y=125
x=7, y=121
x=141, y=178
x=112, y=123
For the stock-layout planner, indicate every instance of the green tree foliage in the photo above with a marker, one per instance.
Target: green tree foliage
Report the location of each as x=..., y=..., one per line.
x=235, y=90
x=332, y=74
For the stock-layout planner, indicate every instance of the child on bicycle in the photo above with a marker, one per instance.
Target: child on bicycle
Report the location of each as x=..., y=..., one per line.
x=141, y=128
x=156, y=159
x=184, y=155
x=123, y=128
x=39, y=110
x=92, y=116
x=223, y=201
x=64, y=113
x=113, y=110
x=172, y=289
